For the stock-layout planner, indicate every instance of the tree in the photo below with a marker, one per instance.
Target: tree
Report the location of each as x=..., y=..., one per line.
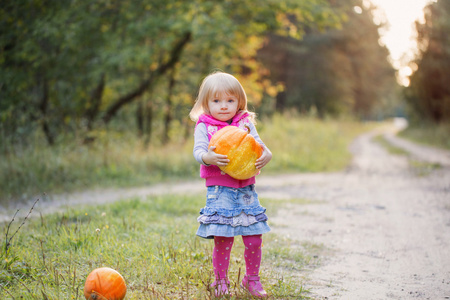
x=68, y=62
x=429, y=90
x=71, y=66
x=336, y=71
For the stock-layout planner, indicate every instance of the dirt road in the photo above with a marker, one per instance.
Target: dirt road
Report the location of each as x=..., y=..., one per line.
x=384, y=225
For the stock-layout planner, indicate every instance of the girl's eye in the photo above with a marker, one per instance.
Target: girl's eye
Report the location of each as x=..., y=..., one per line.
x=230, y=100
x=216, y=100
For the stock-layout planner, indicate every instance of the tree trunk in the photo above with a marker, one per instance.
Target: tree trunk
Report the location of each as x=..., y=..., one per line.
x=95, y=101
x=140, y=118
x=43, y=108
x=187, y=129
x=280, y=104
x=168, y=116
x=148, y=122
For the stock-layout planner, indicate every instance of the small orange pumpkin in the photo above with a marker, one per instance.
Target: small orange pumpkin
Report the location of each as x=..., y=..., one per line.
x=241, y=148
x=105, y=284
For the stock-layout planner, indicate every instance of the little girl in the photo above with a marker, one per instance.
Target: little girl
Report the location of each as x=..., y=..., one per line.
x=232, y=206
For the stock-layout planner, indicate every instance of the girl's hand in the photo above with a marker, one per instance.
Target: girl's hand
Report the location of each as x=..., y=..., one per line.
x=264, y=158
x=212, y=158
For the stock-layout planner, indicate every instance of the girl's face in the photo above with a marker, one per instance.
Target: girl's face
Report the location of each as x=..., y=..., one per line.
x=223, y=106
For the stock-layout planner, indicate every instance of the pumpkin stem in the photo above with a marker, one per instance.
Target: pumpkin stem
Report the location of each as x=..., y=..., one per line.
x=248, y=128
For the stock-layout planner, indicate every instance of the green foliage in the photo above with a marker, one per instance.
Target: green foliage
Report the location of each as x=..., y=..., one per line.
x=59, y=52
x=73, y=66
x=150, y=242
x=429, y=91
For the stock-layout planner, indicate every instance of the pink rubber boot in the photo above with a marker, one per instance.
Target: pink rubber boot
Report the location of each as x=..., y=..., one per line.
x=252, y=253
x=221, y=262
x=254, y=286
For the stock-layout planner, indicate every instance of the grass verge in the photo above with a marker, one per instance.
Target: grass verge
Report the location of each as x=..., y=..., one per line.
x=419, y=168
x=429, y=134
x=150, y=242
x=310, y=145
x=121, y=160
x=381, y=140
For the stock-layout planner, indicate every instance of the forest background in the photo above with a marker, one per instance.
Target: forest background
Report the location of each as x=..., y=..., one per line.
x=84, y=84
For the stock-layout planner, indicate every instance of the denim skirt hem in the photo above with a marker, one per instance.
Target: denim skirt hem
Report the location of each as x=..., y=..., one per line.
x=209, y=231
x=230, y=212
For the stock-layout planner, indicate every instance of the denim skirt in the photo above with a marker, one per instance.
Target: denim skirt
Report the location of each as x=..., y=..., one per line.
x=231, y=212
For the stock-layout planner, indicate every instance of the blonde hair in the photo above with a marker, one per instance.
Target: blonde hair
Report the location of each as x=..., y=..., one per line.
x=217, y=83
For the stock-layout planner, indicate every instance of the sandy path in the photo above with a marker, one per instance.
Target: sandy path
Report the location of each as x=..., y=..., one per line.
x=385, y=230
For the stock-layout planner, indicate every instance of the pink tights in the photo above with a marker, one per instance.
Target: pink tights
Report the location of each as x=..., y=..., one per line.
x=222, y=251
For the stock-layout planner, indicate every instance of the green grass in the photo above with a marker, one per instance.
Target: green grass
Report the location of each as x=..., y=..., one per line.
x=381, y=140
x=121, y=160
x=429, y=134
x=310, y=145
x=151, y=242
x=117, y=161
x=422, y=168
x=419, y=168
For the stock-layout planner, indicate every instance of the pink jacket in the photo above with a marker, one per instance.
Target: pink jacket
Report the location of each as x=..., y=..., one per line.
x=212, y=174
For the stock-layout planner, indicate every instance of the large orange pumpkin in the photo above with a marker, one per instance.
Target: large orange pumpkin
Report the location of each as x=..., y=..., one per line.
x=105, y=284
x=241, y=148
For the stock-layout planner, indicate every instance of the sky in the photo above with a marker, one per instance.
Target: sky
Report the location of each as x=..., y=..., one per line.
x=399, y=37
